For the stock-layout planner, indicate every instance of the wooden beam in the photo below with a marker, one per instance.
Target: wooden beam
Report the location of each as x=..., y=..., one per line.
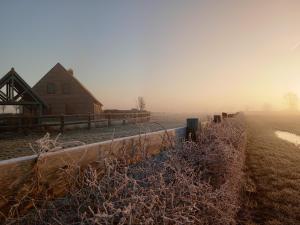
x=3, y=96
x=7, y=92
x=25, y=88
x=12, y=87
x=18, y=103
x=19, y=94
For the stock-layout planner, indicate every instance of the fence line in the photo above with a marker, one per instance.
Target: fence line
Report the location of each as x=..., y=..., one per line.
x=22, y=122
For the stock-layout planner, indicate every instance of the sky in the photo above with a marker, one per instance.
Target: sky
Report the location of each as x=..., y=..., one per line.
x=181, y=56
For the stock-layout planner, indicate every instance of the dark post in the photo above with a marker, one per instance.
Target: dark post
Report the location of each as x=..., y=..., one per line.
x=224, y=115
x=62, y=123
x=89, y=121
x=217, y=118
x=109, y=120
x=191, y=129
x=124, y=122
x=20, y=124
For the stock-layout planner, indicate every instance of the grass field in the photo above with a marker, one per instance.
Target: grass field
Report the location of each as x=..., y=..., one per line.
x=274, y=167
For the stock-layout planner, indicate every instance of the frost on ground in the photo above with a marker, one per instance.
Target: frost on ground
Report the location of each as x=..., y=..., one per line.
x=196, y=183
x=14, y=144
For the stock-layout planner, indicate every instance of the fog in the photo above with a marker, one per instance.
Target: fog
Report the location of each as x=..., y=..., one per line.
x=180, y=56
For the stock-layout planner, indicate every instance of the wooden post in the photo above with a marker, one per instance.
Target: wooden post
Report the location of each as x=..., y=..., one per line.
x=191, y=129
x=40, y=111
x=124, y=122
x=89, y=121
x=62, y=123
x=20, y=124
x=217, y=118
x=109, y=120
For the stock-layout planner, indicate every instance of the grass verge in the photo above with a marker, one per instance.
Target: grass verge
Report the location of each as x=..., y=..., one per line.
x=273, y=168
x=196, y=183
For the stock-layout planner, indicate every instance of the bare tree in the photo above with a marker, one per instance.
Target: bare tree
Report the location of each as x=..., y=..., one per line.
x=292, y=101
x=3, y=108
x=141, y=104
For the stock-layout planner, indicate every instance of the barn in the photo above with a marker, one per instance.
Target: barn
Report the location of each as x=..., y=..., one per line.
x=64, y=94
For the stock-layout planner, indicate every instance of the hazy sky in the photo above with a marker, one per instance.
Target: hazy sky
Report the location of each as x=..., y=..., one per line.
x=180, y=55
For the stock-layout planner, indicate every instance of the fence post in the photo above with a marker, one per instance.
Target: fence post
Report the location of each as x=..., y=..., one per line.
x=191, y=129
x=20, y=124
x=217, y=118
x=89, y=121
x=109, y=120
x=62, y=123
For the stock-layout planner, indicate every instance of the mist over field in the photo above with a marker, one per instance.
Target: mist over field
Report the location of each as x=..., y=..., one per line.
x=191, y=56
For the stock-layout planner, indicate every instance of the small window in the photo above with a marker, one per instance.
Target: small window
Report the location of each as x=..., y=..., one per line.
x=66, y=88
x=51, y=88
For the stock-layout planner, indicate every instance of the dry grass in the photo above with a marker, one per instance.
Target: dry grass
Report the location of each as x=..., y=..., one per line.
x=273, y=168
x=197, y=183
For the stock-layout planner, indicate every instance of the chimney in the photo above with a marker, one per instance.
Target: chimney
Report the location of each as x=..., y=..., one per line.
x=70, y=71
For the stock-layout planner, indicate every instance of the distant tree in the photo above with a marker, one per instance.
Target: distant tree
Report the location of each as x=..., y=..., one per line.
x=141, y=104
x=267, y=107
x=3, y=108
x=291, y=99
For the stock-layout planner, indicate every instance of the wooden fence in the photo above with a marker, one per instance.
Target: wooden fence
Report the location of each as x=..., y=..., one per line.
x=61, y=121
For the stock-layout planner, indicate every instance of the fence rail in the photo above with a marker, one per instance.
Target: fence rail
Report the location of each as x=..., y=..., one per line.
x=61, y=121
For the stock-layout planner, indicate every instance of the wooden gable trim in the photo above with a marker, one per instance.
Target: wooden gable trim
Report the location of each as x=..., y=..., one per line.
x=9, y=99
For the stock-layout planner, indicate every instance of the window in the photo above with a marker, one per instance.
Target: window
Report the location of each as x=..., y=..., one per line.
x=66, y=88
x=51, y=88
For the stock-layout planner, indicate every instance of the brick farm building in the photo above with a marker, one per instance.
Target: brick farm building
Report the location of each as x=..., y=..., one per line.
x=64, y=94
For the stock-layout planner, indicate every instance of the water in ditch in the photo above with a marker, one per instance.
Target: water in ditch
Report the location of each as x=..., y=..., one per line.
x=287, y=136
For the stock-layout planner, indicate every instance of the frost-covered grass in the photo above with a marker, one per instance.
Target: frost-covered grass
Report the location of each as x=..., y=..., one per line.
x=196, y=183
x=14, y=144
x=273, y=168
